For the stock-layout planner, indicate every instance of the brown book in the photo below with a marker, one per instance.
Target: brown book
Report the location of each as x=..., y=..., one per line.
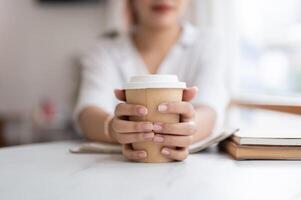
x=261, y=152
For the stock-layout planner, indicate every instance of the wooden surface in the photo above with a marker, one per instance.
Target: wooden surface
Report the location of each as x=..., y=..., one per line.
x=294, y=109
x=49, y=171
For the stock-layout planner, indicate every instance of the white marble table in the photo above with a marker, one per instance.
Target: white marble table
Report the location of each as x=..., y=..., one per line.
x=50, y=172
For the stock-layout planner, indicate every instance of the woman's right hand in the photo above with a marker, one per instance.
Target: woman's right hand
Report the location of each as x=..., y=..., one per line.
x=127, y=132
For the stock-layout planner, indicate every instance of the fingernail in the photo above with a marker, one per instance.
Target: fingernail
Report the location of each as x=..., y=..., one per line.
x=142, y=154
x=162, y=108
x=157, y=127
x=142, y=111
x=165, y=151
x=158, y=138
x=148, y=127
x=148, y=135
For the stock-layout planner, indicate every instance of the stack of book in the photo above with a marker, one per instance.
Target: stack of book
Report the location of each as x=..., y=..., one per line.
x=264, y=135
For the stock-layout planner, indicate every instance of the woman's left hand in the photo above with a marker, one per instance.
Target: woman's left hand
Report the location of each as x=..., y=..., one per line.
x=177, y=137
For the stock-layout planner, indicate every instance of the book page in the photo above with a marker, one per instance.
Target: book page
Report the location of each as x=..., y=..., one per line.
x=260, y=123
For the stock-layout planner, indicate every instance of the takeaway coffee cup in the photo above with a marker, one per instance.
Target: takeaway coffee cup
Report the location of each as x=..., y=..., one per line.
x=150, y=91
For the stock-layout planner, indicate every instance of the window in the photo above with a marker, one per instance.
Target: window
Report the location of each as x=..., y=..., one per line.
x=269, y=46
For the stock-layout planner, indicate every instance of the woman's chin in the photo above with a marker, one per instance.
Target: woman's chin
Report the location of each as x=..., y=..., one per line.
x=162, y=24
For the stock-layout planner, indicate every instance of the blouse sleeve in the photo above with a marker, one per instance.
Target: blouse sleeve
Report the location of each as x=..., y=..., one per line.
x=210, y=80
x=97, y=82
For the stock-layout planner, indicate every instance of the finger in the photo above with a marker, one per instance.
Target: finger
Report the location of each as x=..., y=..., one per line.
x=184, y=128
x=175, y=154
x=189, y=93
x=125, y=109
x=172, y=140
x=185, y=109
x=127, y=138
x=120, y=94
x=124, y=126
x=134, y=155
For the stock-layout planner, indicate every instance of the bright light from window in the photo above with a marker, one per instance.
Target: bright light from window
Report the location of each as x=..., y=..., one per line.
x=270, y=46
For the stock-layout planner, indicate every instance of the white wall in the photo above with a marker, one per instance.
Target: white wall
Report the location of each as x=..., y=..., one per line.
x=38, y=46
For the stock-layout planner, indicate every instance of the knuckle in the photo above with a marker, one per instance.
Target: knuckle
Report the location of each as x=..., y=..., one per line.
x=133, y=156
x=192, y=114
x=137, y=126
x=140, y=137
x=130, y=138
x=184, y=154
x=191, y=110
x=192, y=128
x=172, y=107
x=137, y=137
x=115, y=125
x=136, y=155
x=181, y=155
x=118, y=125
x=118, y=108
x=133, y=109
x=167, y=128
x=129, y=154
x=189, y=132
x=190, y=140
x=140, y=126
x=120, y=138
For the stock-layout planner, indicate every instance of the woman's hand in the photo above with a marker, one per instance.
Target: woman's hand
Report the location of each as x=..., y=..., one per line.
x=177, y=137
x=128, y=132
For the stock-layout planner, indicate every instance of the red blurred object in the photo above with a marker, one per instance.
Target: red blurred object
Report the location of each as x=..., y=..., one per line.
x=48, y=110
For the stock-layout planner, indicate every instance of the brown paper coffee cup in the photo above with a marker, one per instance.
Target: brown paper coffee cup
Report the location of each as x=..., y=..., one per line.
x=150, y=91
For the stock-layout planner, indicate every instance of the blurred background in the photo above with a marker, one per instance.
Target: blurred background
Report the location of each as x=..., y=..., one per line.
x=42, y=40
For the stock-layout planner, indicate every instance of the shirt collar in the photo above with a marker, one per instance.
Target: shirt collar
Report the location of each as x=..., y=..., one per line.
x=187, y=38
x=189, y=35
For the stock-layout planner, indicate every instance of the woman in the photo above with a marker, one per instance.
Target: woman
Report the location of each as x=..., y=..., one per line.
x=159, y=42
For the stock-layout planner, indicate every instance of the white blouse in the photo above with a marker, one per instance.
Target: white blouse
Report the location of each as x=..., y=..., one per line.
x=195, y=59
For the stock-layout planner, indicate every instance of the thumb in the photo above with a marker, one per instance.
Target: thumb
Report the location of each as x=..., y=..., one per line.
x=189, y=93
x=120, y=94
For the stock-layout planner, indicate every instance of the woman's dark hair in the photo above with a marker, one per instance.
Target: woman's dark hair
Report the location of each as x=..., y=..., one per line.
x=130, y=20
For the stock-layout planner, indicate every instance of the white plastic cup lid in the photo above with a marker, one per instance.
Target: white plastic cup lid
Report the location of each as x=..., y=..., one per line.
x=154, y=81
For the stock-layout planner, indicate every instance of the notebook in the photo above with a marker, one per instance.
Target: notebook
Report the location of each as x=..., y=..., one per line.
x=263, y=127
x=264, y=135
x=261, y=152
